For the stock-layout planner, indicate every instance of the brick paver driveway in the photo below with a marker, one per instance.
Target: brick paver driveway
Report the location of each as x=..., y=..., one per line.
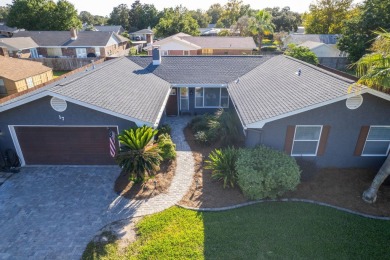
x=53, y=212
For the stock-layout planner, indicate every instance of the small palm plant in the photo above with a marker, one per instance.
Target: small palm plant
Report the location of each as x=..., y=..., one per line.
x=222, y=163
x=138, y=155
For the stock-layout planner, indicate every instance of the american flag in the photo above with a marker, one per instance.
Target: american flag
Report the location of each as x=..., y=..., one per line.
x=112, y=143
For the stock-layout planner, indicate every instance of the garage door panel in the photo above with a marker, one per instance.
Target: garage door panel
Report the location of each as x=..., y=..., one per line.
x=65, y=145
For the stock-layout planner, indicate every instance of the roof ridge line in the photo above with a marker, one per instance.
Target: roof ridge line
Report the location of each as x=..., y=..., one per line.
x=88, y=72
x=320, y=69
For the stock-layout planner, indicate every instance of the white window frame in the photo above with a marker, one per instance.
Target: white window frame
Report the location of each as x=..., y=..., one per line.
x=203, y=96
x=34, y=53
x=186, y=97
x=30, y=82
x=184, y=53
x=81, y=52
x=318, y=141
x=164, y=52
x=2, y=87
x=388, y=147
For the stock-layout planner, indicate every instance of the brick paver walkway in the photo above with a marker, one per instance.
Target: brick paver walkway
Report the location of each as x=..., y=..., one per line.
x=53, y=212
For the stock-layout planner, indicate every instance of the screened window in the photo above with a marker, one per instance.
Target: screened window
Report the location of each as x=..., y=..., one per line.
x=211, y=97
x=306, y=140
x=81, y=52
x=378, y=141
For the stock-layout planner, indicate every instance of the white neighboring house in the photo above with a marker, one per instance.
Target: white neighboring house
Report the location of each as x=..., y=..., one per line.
x=323, y=50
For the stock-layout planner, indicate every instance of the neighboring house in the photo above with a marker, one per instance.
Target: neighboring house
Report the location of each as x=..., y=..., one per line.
x=61, y=44
x=118, y=29
x=301, y=38
x=144, y=36
x=184, y=44
x=281, y=102
x=7, y=31
x=21, y=47
x=17, y=75
x=322, y=50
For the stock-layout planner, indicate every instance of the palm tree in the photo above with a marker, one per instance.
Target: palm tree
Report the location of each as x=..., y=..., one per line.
x=262, y=24
x=374, y=70
x=139, y=156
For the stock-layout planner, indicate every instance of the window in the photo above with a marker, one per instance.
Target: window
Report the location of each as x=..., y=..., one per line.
x=186, y=53
x=34, y=53
x=164, y=53
x=377, y=142
x=30, y=82
x=211, y=97
x=97, y=51
x=184, y=100
x=306, y=140
x=81, y=52
x=3, y=90
x=207, y=51
x=54, y=52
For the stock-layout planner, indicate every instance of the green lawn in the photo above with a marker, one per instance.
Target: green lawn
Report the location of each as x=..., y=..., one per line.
x=266, y=230
x=57, y=73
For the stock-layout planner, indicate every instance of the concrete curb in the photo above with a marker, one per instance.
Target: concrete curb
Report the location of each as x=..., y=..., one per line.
x=285, y=200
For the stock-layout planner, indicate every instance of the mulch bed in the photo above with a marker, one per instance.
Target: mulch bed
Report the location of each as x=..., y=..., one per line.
x=339, y=187
x=149, y=189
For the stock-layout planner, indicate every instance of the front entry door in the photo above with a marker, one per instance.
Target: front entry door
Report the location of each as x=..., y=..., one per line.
x=172, y=103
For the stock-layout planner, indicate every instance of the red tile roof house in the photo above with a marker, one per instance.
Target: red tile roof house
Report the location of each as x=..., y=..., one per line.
x=57, y=44
x=184, y=44
x=297, y=108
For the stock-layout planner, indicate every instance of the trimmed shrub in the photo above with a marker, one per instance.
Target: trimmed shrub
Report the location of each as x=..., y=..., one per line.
x=164, y=129
x=222, y=164
x=200, y=123
x=269, y=48
x=201, y=137
x=266, y=173
x=167, y=147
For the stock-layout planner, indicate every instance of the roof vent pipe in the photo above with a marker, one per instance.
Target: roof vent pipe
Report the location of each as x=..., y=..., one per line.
x=156, y=54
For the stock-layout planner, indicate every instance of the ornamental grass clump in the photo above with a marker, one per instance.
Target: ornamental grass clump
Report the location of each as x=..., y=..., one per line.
x=266, y=173
x=222, y=164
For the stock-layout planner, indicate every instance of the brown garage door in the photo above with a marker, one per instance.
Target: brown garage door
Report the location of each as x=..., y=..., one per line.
x=65, y=145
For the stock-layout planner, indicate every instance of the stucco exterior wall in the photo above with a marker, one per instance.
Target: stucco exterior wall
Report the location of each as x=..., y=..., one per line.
x=343, y=136
x=40, y=112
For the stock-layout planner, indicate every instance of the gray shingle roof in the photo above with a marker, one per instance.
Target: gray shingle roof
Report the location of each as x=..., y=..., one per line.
x=216, y=42
x=324, y=38
x=121, y=89
x=143, y=31
x=114, y=86
x=19, y=43
x=274, y=88
x=200, y=69
x=62, y=38
x=109, y=28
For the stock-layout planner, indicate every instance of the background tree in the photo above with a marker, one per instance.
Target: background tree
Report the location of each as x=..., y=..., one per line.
x=326, y=16
x=3, y=13
x=201, y=17
x=301, y=53
x=243, y=25
x=142, y=16
x=86, y=18
x=64, y=17
x=215, y=12
x=43, y=15
x=261, y=25
x=284, y=19
x=358, y=30
x=232, y=11
x=120, y=16
x=100, y=20
x=374, y=70
x=175, y=20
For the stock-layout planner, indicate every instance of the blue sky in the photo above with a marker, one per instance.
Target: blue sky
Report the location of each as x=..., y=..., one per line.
x=104, y=7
